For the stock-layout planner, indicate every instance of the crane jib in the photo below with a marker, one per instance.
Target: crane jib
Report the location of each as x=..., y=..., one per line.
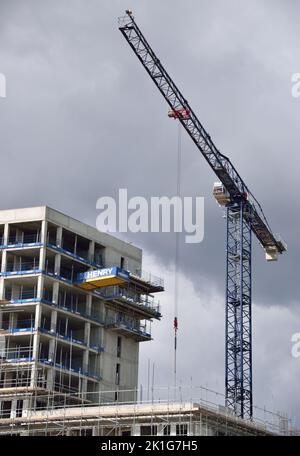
x=220, y=164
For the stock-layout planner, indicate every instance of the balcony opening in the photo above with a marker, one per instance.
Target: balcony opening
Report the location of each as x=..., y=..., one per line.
x=26, y=263
x=99, y=256
x=44, y=350
x=19, y=408
x=17, y=321
x=52, y=234
x=96, y=337
x=46, y=319
x=5, y=409
x=82, y=248
x=24, y=233
x=97, y=309
x=20, y=289
x=70, y=269
x=18, y=378
x=119, y=346
x=68, y=241
x=149, y=430
x=75, y=245
x=118, y=373
x=167, y=429
x=48, y=293
x=181, y=429
x=66, y=384
x=20, y=348
x=69, y=357
x=1, y=235
x=50, y=264
x=71, y=329
x=71, y=301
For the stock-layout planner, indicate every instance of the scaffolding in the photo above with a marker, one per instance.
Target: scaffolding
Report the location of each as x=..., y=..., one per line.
x=192, y=410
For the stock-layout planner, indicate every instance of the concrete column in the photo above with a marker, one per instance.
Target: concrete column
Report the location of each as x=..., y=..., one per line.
x=3, y=261
x=57, y=264
x=55, y=292
x=15, y=291
x=12, y=320
x=40, y=286
x=13, y=412
x=75, y=244
x=200, y=426
x=42, y=259
x=87, y=333
x=85, y=368
x=91, y=250
x=34, y=375
x=173, y=429
x=159, y=429
x=51, y=355
x=83, y=387
x=35, y=348
x=19, y=235
x=44, y=228
x=89, y=304
x=96, y=431
x=50, y=378
x=36, y=343
x=6, y=234
x=17, y=261
x=85, y=360
x=59, y=236
x=136, y=430
x=2, y=288
x=26, y=407
x=53, y=320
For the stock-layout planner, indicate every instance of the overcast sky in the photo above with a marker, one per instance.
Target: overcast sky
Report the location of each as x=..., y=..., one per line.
x=82, y=119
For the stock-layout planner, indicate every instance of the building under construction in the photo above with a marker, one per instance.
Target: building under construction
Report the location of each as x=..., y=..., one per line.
x=74, y=306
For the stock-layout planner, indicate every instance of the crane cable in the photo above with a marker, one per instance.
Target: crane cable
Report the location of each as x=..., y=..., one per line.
x=177, y=233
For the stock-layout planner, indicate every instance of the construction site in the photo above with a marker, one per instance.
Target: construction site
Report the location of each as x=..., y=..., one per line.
x=69, y=341
x=75, y=304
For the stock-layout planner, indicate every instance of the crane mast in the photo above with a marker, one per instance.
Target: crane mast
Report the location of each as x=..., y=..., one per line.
x=244, y=216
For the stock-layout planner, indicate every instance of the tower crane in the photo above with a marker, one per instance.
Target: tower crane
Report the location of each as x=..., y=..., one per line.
x=244, y=216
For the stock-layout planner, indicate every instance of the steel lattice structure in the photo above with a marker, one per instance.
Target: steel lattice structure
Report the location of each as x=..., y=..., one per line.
x=244, y=215
x=238, y=372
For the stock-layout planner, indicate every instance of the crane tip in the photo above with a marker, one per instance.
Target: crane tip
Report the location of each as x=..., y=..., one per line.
x=129, y=12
